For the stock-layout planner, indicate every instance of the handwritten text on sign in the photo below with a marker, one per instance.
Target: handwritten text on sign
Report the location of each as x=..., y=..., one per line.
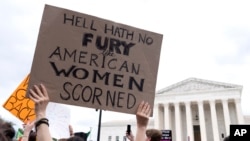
x=19, y=105
x=92, y=62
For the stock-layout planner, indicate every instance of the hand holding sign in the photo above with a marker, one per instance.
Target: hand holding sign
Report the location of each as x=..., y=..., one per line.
x=41, y=98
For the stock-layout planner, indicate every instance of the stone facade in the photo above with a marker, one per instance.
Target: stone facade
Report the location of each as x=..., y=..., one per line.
x=194, y=109
x=115, y=130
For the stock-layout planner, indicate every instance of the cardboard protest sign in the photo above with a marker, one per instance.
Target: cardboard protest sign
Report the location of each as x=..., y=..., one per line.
x=19, y=105
x=92, y=62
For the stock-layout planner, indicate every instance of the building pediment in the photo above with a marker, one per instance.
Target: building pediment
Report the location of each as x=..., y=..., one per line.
x=195, y=84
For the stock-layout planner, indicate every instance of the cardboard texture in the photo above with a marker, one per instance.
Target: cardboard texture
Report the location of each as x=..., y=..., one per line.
x=92, y=62
x=19, y=105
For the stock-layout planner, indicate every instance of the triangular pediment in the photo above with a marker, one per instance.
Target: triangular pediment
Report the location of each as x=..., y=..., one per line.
x=195, y=84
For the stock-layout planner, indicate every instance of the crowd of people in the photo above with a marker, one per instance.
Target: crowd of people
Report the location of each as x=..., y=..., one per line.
x=39, y=95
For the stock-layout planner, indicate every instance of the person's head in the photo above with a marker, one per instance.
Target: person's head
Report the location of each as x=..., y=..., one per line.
x=32, y=136
x=153, y=135
x=2, y=137
x=7, y=130
x=73, y=138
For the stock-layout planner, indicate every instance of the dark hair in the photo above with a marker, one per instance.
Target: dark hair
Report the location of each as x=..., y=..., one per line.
x=74, y=138
x=7, y=129
x=2, y=137
x=32, y=136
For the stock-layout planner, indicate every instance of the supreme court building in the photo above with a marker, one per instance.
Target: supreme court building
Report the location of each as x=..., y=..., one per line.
x=194, y=109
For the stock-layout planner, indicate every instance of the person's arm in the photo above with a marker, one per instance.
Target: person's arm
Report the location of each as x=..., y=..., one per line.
x=27, y=129
x=40, y=96
x=130, y=136
x=142, y=117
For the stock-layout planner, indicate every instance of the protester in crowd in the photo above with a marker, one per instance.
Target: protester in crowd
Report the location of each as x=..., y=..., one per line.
x=40, y=96
x=78, y=136
x=73, y=138
x=29, y=134
x=7, y=131
x=153, y=134
x=2, y=137
x=142, y=118
x=130, y=136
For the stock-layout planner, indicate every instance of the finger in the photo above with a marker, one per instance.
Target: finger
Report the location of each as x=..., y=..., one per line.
x=140, y=106
x=28, y=121
x=145, y=105
x=33, y=122
x=33, y=95
x=149, y=112
x=44, y=91
x=147, y=108
x=38, y=91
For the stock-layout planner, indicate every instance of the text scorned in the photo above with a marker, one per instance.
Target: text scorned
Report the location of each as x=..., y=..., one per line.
x=88, y=94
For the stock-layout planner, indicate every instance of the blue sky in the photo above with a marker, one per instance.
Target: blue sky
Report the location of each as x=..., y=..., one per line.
x=206, y=39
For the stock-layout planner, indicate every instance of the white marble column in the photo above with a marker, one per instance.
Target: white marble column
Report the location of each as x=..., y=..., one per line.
x=202, y=121
x=239, y=111
x=226, y=115
x=178, y=130
x=190, y=131
x=214, y=120
x=167, y=116
x=156, y=116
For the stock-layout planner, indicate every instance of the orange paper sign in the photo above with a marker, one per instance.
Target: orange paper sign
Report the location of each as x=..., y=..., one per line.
x=19, y=105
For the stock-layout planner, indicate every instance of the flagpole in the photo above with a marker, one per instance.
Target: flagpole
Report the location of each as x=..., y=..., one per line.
x=99, y=125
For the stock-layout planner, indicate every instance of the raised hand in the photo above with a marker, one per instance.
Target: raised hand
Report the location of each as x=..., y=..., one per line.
x=142, y=118
x=27, y=129
x=40, y=96
x=143, y=113
x=130, y=136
